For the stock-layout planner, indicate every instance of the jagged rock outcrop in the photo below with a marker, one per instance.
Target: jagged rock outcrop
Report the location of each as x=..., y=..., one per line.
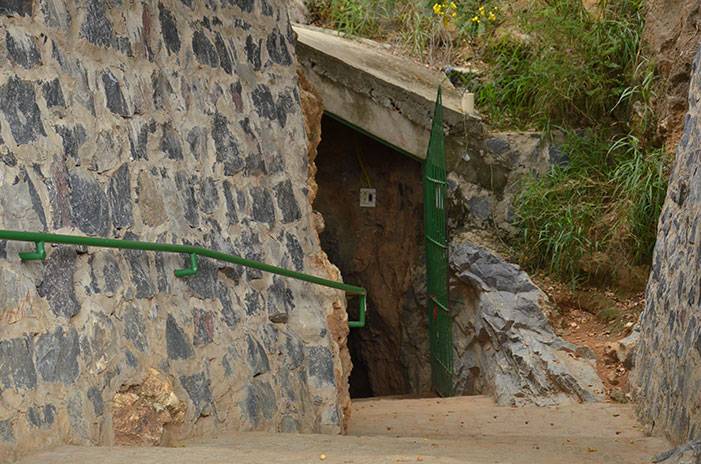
x=504, y=344
x=667, y=374
x=141, y=412
x=172, y=121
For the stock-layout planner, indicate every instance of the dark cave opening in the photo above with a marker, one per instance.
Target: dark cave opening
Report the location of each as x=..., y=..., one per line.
x=370, y=196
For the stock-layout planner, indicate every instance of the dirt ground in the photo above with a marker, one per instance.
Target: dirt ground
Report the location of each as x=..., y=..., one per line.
x=444, y=431
x=596, y=318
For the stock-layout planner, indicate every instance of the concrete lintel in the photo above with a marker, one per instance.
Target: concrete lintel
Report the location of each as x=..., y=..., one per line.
x=389, y=97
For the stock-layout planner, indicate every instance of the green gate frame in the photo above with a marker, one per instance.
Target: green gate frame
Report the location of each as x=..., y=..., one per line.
x=436, y=238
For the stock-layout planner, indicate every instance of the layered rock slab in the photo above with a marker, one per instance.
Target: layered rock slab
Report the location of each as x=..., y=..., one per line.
x=504, y=344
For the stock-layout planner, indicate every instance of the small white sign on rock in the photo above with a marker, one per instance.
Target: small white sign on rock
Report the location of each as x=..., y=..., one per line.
x=368, y=197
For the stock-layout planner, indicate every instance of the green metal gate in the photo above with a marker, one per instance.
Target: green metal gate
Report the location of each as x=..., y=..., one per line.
x=436, y=238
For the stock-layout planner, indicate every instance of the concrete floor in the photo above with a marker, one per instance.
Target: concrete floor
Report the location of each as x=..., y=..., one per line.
x=455, y=430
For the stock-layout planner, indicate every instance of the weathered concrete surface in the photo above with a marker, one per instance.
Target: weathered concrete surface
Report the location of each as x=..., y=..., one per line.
x=172, y=121
x=390, y=97
x=667, y=375
x=468, y=430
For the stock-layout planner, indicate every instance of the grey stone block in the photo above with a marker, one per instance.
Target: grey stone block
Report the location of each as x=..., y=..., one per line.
x=18, y=103
x=198, y=389
x=16, y=364
x=176, y=342
x=57, y=356
x=169, y=29
x=41, y=417
x=97, y=28
x=58, y=285
x=89, y=204
x=22, y=50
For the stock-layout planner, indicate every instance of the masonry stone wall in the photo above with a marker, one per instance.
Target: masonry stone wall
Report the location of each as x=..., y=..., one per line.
x=175, y=121
x=667, y=375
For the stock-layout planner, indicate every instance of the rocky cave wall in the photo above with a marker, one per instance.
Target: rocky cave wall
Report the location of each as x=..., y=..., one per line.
x=378, y=247
x=667, y=375
x=172, y=121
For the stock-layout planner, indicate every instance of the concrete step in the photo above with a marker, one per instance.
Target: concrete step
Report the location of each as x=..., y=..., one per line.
x=455, y=430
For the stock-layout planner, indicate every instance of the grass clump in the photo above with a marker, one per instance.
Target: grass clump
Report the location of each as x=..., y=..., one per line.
x=568, y=68
x=585, y=75
x=608, y=314
x=597, y=213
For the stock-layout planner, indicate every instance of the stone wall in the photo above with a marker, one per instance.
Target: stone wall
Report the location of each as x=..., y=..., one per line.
x=667, y=375
x=176, y=121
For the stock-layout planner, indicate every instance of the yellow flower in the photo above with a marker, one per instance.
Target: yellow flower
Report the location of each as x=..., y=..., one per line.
x=482, y=10
x=453, y=5
x=475, y=19
x=453, y=14
x=437, y=8
x=492, y=16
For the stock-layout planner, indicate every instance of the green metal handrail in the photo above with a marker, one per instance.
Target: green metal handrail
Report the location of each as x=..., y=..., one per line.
x=41, y=238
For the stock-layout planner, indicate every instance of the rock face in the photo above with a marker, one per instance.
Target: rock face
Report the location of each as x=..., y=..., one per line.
x=299, y=12
x=141, y=412
x=374, y=246
x=504, y=344
x=667, y=377
x=672, y=34
x=172, y=121
x=483, y=181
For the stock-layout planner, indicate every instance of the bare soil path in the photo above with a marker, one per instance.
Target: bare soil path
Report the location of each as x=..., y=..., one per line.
x=431, y=430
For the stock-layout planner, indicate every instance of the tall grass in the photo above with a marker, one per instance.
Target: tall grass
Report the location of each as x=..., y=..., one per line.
x=571, y=70
x=598, y=213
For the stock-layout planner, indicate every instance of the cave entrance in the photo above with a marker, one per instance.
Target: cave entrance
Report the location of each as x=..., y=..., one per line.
x=371, y=197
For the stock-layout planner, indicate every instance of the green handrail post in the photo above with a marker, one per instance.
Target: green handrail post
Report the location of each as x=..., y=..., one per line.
x=40, y=238
x=361, y=314
x=38, y=255
x=190, y=271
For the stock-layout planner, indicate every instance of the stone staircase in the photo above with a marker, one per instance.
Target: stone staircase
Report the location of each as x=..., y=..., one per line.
x=431, y=430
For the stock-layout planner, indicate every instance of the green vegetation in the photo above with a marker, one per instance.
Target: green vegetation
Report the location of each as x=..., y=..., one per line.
x=586, y=76
x=430, y=29
x=572, y=69
x=595, y=214
x=555, y=66
x=608, y=314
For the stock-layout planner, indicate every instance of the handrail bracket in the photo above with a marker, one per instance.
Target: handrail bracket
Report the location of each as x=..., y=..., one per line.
x=189, y=271
x=38, y=255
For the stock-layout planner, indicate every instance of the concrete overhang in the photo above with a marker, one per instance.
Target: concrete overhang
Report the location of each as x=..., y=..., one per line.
x=388, y=97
